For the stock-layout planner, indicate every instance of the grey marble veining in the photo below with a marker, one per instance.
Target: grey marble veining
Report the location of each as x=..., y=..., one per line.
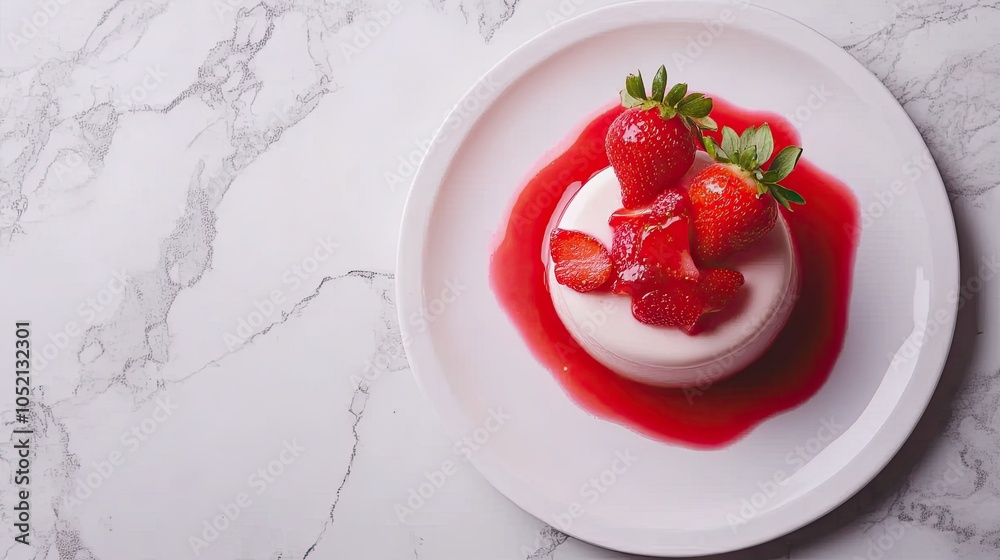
x=953, y=105
x=171, y=143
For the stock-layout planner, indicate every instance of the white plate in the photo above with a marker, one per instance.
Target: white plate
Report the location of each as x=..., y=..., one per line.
x=674, y=501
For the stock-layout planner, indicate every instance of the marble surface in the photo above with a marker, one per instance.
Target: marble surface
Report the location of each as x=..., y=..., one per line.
x=199, y=203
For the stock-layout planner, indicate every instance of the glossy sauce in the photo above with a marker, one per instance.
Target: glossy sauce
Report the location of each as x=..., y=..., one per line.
x=788, y=374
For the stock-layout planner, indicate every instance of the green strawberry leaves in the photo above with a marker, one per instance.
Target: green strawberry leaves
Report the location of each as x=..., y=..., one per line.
x=713, y=150
x=764, y=143
x=750, y=151
x=786, y=194
x=660, y=84
x=693, y=109
x=635, y=91
x=696, y=109
x=748, y=158
x=676, y=94
x=730, y=141
x=706, y=123
x=785, y=162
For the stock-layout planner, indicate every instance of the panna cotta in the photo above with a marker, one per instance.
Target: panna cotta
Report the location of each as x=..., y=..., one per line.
x=603, y=324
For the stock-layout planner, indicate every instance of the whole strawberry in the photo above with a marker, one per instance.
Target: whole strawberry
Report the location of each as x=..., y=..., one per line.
x=734, y=202
x=653, y=143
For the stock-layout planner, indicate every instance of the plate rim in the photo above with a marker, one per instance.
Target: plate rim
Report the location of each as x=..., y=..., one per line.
x=424, y=190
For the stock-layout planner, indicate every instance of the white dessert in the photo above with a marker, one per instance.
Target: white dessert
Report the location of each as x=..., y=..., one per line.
x=664, y=356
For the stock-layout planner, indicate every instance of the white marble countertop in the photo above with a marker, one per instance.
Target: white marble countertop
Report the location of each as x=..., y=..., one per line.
x=199, y=203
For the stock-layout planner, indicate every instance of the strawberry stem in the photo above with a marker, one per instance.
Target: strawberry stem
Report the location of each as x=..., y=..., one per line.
x=693, y=109
x=750, y=151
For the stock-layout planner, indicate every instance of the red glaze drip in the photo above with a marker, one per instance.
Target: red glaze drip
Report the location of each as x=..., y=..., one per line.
x=793, y=370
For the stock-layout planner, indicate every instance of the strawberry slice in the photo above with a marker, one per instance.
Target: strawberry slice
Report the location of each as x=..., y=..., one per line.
x=677, y=303
x=623, y=215
x=719, y=286
x=582, y=263
x=666, y=251
x=620, y=287
x=682, y=303
x=651, y=244
x=625, y=247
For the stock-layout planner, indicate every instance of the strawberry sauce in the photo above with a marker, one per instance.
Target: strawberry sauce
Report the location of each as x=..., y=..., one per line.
x=787, y=375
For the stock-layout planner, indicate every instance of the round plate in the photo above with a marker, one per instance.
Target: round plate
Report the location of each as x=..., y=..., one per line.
x=599, y=481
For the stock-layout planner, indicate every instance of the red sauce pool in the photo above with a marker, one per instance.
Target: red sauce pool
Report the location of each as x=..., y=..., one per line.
x=793, y=370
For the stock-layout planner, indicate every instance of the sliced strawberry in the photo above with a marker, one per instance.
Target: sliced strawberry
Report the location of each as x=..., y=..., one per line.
x=627, y=215
x=719, y=286
x=625, y=246
x=671, y=203
x=682, y=303
x=581, y=261
x=619, y=287
x=607, y=287
x=666, y=251
x=678, y=303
